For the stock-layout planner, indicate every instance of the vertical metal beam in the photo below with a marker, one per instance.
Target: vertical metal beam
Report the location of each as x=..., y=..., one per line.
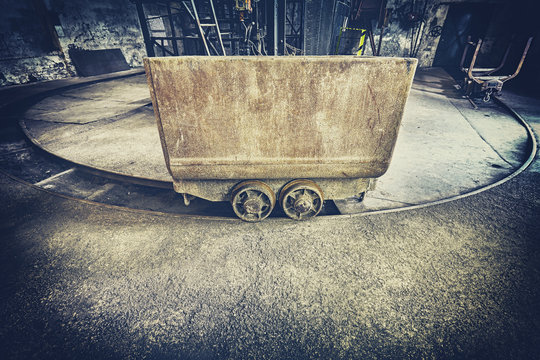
x=146, y=33
x=276, y=32
x=473, y=61
x=173, y=33
x=201, y=31
x=217, y=28
x=282, y=27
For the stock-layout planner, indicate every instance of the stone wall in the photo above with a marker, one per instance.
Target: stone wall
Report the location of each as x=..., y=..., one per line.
x=35, y=36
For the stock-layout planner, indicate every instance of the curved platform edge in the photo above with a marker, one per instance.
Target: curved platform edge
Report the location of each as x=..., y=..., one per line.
x=169, y=185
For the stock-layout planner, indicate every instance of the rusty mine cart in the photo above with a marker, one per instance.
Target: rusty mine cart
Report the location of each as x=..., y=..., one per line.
x=295, y=130
x=483, y=80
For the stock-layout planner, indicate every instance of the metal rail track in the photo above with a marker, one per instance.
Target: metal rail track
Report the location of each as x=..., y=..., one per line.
x=23, y=161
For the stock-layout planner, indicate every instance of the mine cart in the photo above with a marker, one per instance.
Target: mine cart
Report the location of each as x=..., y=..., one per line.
x=257, y=131
x=482, y=80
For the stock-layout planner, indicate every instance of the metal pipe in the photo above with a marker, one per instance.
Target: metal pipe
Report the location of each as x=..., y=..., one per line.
x=217, y=28
x=521, y=61
x=372, y=41
x=276, y=34
x=201, y=31
x=465, y=52
x=173, y=32
x=419, y=35
x=144, y=28
x=378, y=53
x=282, y=9
x=188, y=10
x=473, y=61
x=338, y=40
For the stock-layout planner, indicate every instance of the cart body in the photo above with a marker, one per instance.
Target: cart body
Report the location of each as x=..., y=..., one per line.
x=331, y=119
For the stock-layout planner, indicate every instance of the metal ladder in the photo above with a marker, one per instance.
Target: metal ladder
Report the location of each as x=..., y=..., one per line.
x=205, y=34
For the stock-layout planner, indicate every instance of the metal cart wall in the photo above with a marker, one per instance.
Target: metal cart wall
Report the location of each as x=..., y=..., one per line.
x=293, y=130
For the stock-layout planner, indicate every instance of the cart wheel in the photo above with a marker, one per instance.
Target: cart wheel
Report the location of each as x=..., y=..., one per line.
x=301, y=199
x=252, y=200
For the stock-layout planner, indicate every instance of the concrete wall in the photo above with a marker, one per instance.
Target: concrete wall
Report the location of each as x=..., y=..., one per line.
x=35, y=35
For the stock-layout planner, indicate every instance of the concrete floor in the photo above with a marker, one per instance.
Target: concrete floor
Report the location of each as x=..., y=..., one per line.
x=454, y=281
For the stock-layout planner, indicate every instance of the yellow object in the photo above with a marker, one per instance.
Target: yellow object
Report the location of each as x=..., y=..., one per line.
x=362, y=41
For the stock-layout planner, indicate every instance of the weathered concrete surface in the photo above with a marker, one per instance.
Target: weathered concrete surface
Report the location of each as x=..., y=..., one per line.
x=17, y=93
x=101, y=101
x=459, y=280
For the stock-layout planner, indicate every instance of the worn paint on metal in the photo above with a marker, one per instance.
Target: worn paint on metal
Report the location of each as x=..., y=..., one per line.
x=278, y=117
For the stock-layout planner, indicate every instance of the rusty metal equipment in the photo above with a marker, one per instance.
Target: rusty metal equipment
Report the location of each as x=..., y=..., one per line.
x=257, y=131
x=482, y=79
